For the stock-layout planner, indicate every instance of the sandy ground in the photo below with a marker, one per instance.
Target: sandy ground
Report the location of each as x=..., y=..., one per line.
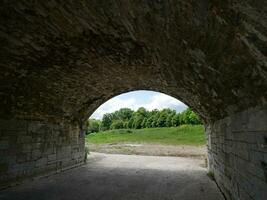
x=123, y=177
x=150, y=149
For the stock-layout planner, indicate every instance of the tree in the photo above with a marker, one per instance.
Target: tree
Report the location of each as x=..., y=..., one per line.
x=189, y=117
x=169, y=120
x=117, y=124
x=176, y=120
x=131, y=122
x=193, y=118
x=127, y=118
x=149, y=122
x=137, y=124
x=143, y=125
x=106, y=121
x=124, y=114
x=162, y=119
x=142, y=112
x=93, y=125
x=155, y=119
x=125, y=124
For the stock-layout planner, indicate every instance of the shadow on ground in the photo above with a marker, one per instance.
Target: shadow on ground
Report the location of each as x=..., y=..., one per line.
x=123, y=177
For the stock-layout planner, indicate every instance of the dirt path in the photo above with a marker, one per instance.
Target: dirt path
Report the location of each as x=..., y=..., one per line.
x=150, y=149
x=123, y=177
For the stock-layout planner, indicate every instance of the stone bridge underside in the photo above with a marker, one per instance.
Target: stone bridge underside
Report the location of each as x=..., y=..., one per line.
x=60, y=60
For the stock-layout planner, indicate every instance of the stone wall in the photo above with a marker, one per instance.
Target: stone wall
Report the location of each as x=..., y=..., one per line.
x=34, y=148
x=237, y=148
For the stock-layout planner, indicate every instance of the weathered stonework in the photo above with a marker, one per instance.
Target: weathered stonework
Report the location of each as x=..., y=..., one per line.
x=237, y=147
x=60, y=60
x=64, y=59
x=34, y=148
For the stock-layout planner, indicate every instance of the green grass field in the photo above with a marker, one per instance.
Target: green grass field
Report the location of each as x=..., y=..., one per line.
x=182, y=135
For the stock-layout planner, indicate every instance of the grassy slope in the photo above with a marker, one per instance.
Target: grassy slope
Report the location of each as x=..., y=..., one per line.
x=182, y=135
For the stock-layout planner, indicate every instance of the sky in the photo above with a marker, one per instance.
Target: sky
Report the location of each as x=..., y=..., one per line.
x=142, y=98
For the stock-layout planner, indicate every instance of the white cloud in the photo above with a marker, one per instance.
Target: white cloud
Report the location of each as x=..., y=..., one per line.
x=160, y=101
x=157, y=101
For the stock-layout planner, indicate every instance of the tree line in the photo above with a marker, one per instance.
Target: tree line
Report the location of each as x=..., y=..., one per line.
x=126, y=118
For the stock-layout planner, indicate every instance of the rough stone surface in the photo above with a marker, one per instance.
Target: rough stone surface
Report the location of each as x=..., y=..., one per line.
x=237, y=148
x=60, y=60
x=34, y=148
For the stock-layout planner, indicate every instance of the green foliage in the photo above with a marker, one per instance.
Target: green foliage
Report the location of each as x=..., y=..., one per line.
x=93, y=126
x=149, y=122
x=130, y=122
x=117, y=124
x=143, y=125
x=123, y=114
x=142, y=112
x=106, y=121
x=156, y=116
x=184, y=134
x=176, y=119
x=137, y=124
x=163, y=116
x=126, y=118
x=169, y=121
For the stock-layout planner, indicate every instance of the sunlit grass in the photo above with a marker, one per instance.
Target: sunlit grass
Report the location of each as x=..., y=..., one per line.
x=182, y=135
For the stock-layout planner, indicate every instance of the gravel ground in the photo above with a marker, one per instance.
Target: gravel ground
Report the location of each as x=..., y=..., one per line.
x=123, y=177
x=150, y=149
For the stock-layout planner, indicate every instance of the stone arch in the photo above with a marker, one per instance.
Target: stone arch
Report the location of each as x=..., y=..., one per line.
x=207, y=53
x=59, y=59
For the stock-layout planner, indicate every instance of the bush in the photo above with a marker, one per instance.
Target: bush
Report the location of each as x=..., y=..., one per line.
x=118, y=124
x=93, y=126
x=125, y=118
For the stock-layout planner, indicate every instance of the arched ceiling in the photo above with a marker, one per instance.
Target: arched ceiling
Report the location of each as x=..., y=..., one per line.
x=62, y=59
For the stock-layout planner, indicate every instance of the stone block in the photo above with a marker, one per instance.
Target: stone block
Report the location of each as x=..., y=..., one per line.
x=239, y=122
x=26, y=148
x=41, y=162
x=52, y=157
x=20, y=167
x=13, y=133
x=23, y=157
x=15, y=125
x=265, y=158
x=4, y=144
x=8, y=159
x=50, y=150
x=256, y=157
x=256, y=171
x=24, y=139
x=3, y=167
x=37, y=139
x=36, y=154
x=37, y=127
x=258, y=120
x=244, y=195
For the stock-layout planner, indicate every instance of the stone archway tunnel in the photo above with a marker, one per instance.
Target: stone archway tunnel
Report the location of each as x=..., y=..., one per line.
x=61, y=59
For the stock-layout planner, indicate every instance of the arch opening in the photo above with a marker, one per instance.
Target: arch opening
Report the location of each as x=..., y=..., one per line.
x=152, y=118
